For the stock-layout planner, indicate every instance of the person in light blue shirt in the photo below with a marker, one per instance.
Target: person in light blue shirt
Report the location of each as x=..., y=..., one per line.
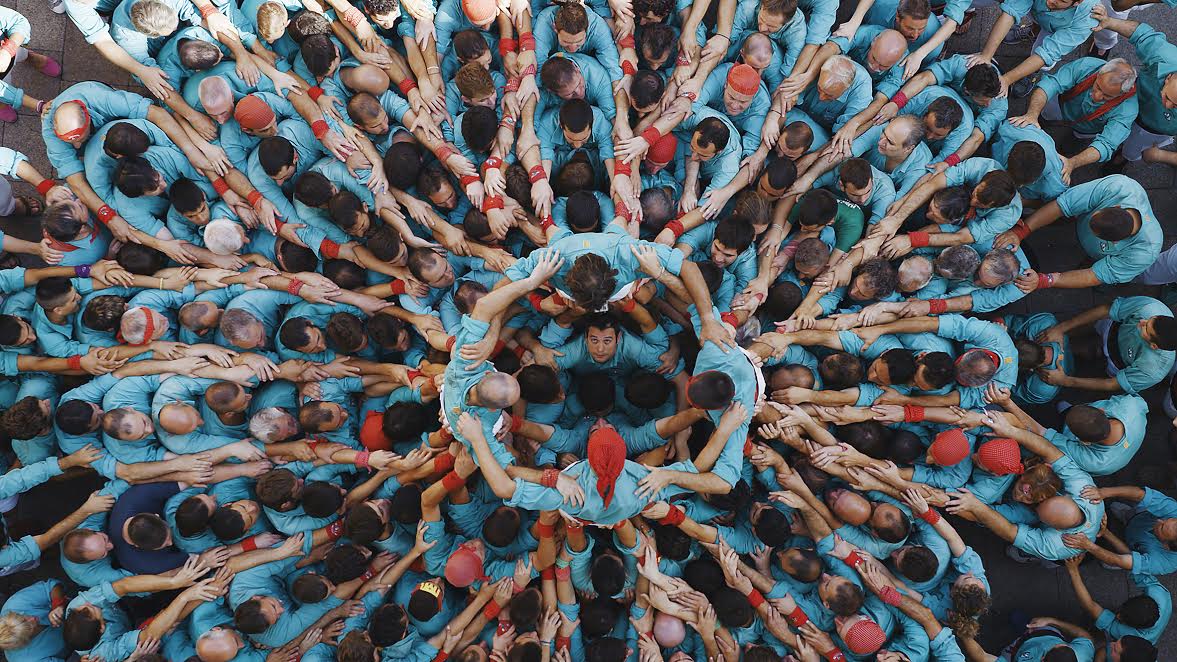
x=1144, y=615
x=896, y=148
x=710, y=140
x=787, y=32
x=32, y=607
x=948, y=119
x=1034, y=354
x=917, y=30
x=568, y=29
x=575, y=76
x=746, y=111
x=1017, y=148
x=1116, y=226
x=575, y=127
x=861, y=183
x=1095, y=98
x=143, y=40
x=842, y=90
x=1102, y=437
x=1064, y=28
x=879, y=49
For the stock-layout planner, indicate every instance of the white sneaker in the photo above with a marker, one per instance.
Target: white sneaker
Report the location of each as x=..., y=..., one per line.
x=58, y=6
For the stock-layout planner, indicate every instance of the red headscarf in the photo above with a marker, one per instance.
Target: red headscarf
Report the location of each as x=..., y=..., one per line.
x=606, y=457
x=950, y=447
x=1000, y=457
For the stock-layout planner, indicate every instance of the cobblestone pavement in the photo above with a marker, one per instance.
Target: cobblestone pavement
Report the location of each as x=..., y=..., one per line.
x=1028, y=590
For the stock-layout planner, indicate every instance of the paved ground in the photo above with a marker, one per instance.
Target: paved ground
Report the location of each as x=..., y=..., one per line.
x=1032, y=590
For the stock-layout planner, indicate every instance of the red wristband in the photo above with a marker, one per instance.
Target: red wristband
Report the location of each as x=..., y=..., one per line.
x=536, y=300
x=45, y=185
x=937, y=306
x=1046, y=281
x=548, y=574
x=105, y=213
x=220, y=186
x=834, y=655
x=452, y=481
x=492, y=162
x=492, y=202
x=900, y=99
x=412, y=374
x=913, y=413
x=565, y=573
x=890, y=596
x=519, y=351
x=545, y=530
x=74, y=362
x=755, y=598
x=627, y=42
x=294, y=286
x=676, y=226
x=254, y=197
x=466, y=180
x=491, y=610
x=526, y=42
x=315, y=92
x=952, y=159
x=627, y=68
x=628, y=304
x=1021, y=230
x=320, y=128
x=335, y=530
x=563, y=643
x=852, y=559
x=549, y=477
x=278, y=225
x=329, y=248
x=674, y=516
x=499, y=346
x=207, y=10
x=361, y=460
x=529, y=70
x=797, y=617
x=407, y=85
x=398, y=286
x=445, y=152
x=622, y=168
x=443, y=462
x=730, y=318
x=449, y=343
x=56, y=601
x=546, y=223
x=516, y=423
x=249, y=544
x=507, y=45
x=441, y=656
x=651, y=136
x=919, y=239
x=536, y=173
x=931, y=515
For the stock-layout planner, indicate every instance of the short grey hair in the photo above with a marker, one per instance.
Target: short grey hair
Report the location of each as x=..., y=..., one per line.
x=957, y=262
x=265, y=424
x=1120, y=71
x=839, y=68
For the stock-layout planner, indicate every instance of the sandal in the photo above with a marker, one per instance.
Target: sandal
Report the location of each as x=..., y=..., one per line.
x=27, y=205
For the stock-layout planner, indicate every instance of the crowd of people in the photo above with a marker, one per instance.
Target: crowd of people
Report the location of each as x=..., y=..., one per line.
x=559, y=332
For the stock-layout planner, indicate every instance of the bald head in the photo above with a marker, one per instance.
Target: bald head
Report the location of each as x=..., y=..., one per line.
x=216, y=96
x=836, y=75
x=1060, y=512
x=886, y=50
x=910, y=129
x=366, y=78
x=178, y=418
x=217, y=645
x=225, y=397
x=498, y=390
x=757, y=50
x=71, y=122
x=849, y=507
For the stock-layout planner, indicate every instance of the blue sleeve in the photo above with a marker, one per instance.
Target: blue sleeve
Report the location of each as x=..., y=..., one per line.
x=1059, y=43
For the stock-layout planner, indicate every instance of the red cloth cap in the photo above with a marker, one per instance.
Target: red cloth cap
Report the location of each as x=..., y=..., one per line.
x=663, y=150
x=1000, y=457
x=480, y=11
x=463, y=568
x=253, y=113
x=743, y=79
x=950, y=447
x=606, y=457
x=864, y=637
x=372, y=432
